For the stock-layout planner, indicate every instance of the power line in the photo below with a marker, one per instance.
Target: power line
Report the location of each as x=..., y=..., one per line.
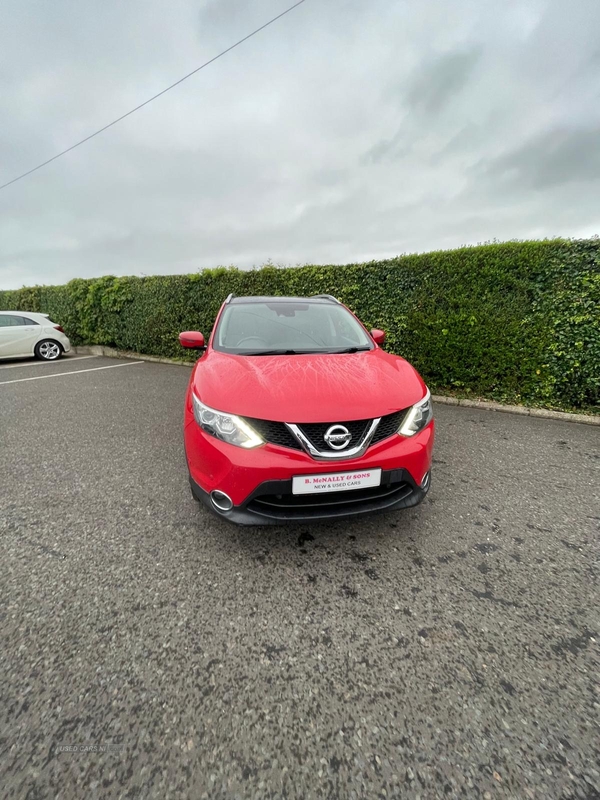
x=154, y=97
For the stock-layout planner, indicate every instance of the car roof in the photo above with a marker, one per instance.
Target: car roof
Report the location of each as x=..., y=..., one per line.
x=26, y=313
x=318, y=298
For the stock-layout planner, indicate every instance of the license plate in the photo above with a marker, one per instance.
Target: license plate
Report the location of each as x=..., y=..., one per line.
x=335, y=481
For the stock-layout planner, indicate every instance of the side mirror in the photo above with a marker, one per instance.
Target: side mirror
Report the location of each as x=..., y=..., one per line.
x=378, y=336
x=193, y=340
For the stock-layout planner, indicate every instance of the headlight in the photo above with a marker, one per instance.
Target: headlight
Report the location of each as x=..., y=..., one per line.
x=227, y=427
x=418, y=416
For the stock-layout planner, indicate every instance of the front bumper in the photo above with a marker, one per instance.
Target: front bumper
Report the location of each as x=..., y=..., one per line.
x=272, y=503
x=259, y=481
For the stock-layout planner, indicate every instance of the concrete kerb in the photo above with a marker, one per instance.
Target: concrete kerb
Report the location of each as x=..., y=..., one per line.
x=112, y=352
x=545, y=413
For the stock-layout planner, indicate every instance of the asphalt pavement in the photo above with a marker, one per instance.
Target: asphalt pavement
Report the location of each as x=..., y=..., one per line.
x=149, y=650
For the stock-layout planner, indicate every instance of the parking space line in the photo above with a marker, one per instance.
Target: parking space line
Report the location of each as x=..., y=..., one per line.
x=43, y=363
x=73, y=372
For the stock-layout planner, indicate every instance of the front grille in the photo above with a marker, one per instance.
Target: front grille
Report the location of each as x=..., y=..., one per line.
x=388, y=426
x=315, y=432
x=290, y=506
x=278, y=433
x=274, y=432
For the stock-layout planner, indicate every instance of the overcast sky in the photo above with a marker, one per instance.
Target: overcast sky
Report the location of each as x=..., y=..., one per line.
x=348, y=130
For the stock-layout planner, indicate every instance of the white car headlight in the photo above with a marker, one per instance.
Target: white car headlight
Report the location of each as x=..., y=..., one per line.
x=418, y=417
x=226, y=427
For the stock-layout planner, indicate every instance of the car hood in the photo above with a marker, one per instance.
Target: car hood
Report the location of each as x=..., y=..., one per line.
x=307, y=388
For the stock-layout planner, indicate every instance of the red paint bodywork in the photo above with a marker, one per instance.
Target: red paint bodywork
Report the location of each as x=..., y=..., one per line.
x=307, y=388
x=299, y=389
x=192, y=340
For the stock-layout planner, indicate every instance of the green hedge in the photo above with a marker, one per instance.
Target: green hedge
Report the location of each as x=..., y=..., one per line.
x=515, y=321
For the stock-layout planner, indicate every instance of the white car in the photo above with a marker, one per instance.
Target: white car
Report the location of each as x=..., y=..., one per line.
x=23, y=334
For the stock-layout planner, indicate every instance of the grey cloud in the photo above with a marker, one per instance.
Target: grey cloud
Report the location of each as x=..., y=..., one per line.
x=396, y=147
x=436, y=83
x=425, y=94
x=551, y=159
x=262, y=155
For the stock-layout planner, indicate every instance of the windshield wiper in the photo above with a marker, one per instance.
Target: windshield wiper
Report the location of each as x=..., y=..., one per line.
x=283, y=352
x=350, y=350
x=271, y=352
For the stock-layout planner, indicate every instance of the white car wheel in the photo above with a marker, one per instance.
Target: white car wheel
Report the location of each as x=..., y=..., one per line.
x=48, y=350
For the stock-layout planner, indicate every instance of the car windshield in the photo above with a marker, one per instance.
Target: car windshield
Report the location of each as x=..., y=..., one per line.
x=289, y=328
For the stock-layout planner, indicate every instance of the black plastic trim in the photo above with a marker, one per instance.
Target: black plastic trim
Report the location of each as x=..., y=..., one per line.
x=248, y=514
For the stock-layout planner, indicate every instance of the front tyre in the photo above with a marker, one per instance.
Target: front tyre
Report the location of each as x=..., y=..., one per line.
x=48, y=350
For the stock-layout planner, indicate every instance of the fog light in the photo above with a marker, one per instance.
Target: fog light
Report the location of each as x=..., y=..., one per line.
x=425, y=481
x=221, y=501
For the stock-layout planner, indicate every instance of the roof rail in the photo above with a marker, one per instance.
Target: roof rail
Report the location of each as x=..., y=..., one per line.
x=229, y=297
x=328, y=297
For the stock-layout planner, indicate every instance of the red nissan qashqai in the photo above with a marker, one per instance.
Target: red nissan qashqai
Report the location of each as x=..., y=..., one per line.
x=294, y=412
